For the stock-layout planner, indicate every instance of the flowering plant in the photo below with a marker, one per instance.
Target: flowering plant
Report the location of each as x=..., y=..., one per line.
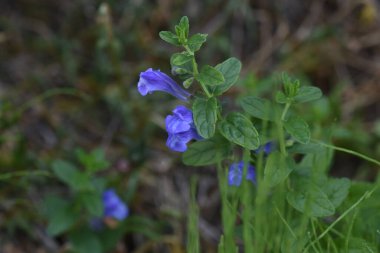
x=93, y=216
x=289, y=175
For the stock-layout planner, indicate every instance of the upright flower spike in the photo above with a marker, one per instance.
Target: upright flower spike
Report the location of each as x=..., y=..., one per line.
x=181, y=129
x=235, y=173
x=154, y=80
x=114, y=207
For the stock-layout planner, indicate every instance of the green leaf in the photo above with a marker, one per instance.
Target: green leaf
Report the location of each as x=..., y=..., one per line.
x=230, y=69
x=309, y=148
x=178, y=31
x=60, y=214
x=291, y=86
x=298, y=129
x=68, y=174
x=93, y=161
x=169, y=37
x=92, y=202
x=320, y=161
x=205, y=116
x=240, y=130
x=336, y=190
x=184, y=25
x=291, y=244
x=61, y=222
x=258, y=107
x=179, y=59
x=188, y=82
x=209, y=76
x=307, y=93
x=52, y=203
x=196, y=41
x=206, y=152
x=85, y=241
x=281, y=98
x=65, y=171
x=277, y=168
x=310, y=199
x=184, y=70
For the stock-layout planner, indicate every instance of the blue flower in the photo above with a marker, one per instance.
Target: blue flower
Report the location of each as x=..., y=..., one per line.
x=154, y=80
x=181, y=129
x=180, y=121
x=235, y=173
x=267, y=148
x=178, y=142
x=113, y=206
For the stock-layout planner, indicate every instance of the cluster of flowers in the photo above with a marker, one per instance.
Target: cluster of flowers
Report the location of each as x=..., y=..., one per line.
x=180, y=126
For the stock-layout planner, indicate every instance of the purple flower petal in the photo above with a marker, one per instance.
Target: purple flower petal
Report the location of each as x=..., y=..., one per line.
x=235, y=173
x=234, y=176
x=120, y=212
x=175, y=125
x=180, y=121
x=154, y=80
x=113, y=206
x=177, y=142
x=267, y=148
x=184, y=113
x=181, y=129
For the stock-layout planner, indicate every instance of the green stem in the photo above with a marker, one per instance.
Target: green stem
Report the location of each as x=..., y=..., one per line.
x=315, y=234
x=349, y=151
x=196, y=72
x=286, y=223
x=280, y=128
x=348, y=236
x=192, y=225
x=247, y=205
x=228, y=213
x=283, y=115
x=281, y=138
x=261, y=196
x=205, y=90
x=23, y=173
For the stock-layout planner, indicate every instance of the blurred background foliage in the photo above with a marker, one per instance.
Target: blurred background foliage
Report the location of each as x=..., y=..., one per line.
x=68, y=75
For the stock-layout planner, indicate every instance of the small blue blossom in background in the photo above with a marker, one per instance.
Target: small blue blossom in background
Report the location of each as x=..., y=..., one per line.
x=154, y=80
x=113, y=206
x=235, y=173
x=267, y=148
x=181, y=129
